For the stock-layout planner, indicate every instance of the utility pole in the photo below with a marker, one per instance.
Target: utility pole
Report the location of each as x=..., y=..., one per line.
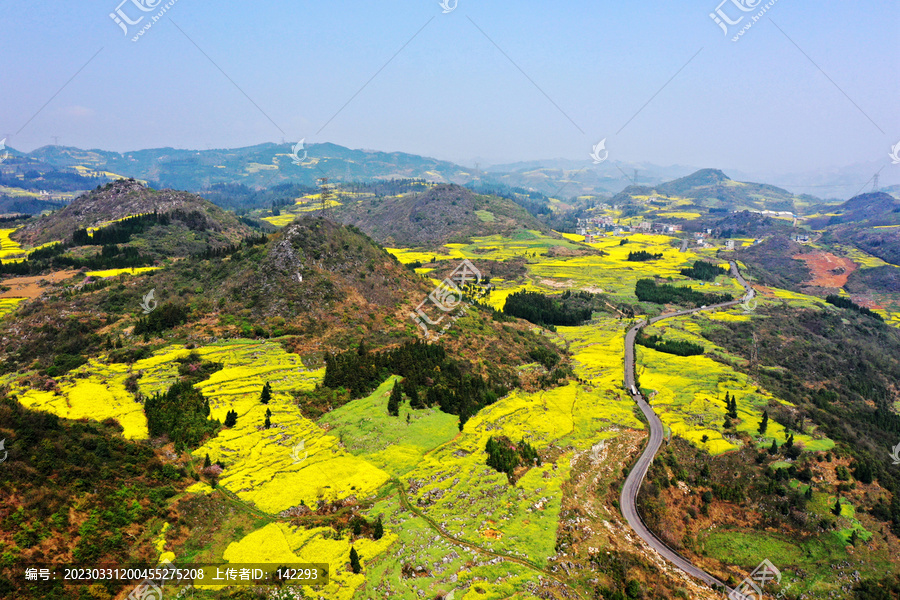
x=55, y=140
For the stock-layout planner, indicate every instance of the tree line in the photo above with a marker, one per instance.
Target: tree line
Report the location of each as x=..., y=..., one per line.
x=119, y=232
x=676, y=347
x=704, y=271
x=52, y=258
x=542, y=309
x=643, y=256
x=849, y=304
x=647, y=290
x=430, y=377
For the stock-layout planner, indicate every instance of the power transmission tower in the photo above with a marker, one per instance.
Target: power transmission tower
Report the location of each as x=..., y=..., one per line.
x=875, y=183
x=55, y=140
x=325, y=194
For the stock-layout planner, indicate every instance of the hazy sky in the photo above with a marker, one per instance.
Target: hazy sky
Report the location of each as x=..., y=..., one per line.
x=495, y=81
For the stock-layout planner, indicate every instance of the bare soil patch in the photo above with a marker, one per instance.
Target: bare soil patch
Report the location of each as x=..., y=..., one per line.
x=33, y=286
x=828, y=270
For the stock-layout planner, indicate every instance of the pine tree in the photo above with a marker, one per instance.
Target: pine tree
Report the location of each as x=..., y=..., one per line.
x=774, y=448
x=394, y=401
x=789, y=443
x=266, y=394
x=764, y=424
x=836, y=511
x=732, y=409
x=409, y=388
x=268, y=422
x=808, y=493
x=207, y=463
x=854, y=537
x=231, y=418
x=357, y=526
x=379, y=529
x=354, y=561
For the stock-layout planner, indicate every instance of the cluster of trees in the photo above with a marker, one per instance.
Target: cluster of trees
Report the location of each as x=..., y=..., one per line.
x=166, y=316
x=230, y=419
x=222, y=251
x=181, y=413
x=119, y=232
x=533, y=201
x=849, y=304
x=191, y=367
x=676, y=347
x=505, y=457
x=430, y=377
x=730, y=409
x=542, y=309
x=704, y=271
x=647, y=290
x=52, y=258
x=643, y=255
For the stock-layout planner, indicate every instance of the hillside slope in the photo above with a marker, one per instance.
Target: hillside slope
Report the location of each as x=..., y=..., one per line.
x=712, y=188
x=209, y=224
x=442, y=214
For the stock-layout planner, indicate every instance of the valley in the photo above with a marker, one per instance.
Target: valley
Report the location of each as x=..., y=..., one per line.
x=301, y=459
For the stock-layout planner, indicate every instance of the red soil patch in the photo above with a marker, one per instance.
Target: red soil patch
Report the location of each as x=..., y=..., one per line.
x=828, y=270
x=33, y=286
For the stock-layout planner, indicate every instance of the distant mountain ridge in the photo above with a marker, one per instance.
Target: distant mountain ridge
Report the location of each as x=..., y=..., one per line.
x=712, y=188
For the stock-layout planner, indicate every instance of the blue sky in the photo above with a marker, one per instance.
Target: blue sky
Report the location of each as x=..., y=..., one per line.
x=491, y=81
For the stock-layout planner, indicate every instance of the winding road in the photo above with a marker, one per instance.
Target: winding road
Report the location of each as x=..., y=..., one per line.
x=633, y=482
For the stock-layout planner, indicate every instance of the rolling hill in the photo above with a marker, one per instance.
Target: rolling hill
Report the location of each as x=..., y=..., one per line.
x=711, y=188
x=199, y=222
x=441, y=214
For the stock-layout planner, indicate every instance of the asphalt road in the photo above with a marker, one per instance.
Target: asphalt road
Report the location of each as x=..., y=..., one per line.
x=633, y=482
